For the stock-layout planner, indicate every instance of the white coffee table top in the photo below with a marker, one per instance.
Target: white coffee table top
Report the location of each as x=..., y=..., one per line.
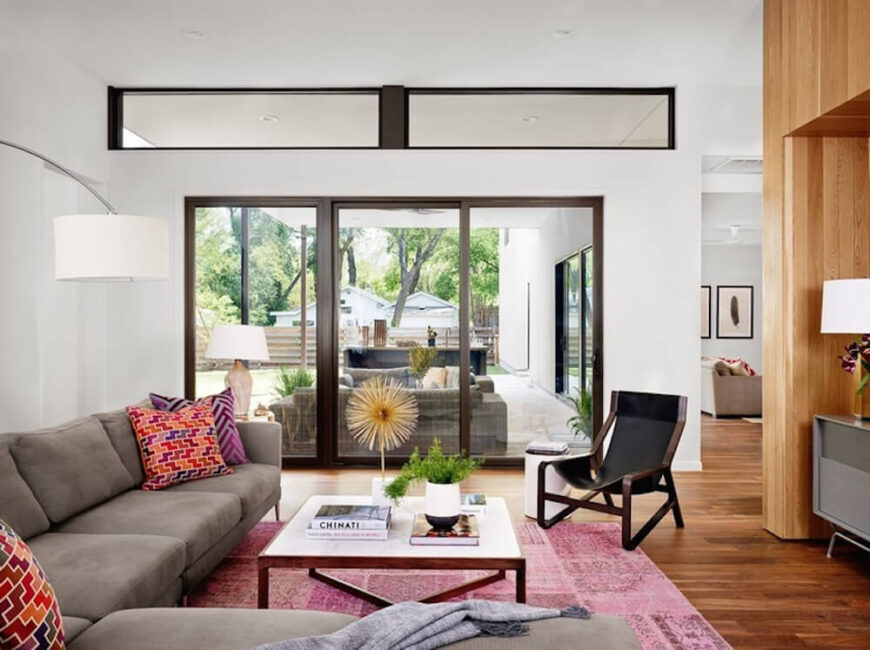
x=497, y=538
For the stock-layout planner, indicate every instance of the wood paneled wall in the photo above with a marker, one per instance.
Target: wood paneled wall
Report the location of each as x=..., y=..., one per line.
x=816, y=227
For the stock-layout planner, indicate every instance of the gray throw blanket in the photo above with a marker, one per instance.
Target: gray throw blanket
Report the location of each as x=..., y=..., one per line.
x=417, y=626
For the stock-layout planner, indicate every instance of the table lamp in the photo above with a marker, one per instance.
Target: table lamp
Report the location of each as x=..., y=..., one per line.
x=238, y=342
x=846, y=310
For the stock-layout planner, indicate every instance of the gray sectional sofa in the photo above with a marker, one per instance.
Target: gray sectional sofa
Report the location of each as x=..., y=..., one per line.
x=72, y=493
x=120, y=559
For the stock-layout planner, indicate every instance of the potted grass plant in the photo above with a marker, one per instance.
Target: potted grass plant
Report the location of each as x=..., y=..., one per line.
x=442, y=475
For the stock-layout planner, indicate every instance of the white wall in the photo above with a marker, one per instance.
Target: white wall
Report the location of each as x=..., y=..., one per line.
x=51, y=343
x=529, y=261
x=651, y=242
x=514, y=296
x=559, y=236
x=733, y=265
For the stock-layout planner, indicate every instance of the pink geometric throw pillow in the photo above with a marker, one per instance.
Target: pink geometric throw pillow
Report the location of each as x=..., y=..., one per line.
x=224, y=410
x=177, y=447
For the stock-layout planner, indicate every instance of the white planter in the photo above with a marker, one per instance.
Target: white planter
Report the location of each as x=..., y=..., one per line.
x=378, y=496
x=442, y=504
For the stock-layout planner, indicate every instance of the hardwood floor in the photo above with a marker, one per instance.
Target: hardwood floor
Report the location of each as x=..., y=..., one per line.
x=757, y=591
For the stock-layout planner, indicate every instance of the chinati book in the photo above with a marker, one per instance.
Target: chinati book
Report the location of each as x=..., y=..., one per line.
x=339, y=517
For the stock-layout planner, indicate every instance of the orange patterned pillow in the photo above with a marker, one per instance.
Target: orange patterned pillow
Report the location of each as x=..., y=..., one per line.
x=29, y=615
x=177, y=447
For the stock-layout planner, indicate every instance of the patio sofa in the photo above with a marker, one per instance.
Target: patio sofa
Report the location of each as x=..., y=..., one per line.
x=439, y=417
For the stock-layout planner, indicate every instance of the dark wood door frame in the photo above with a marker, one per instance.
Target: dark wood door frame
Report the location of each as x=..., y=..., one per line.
x=327, y=306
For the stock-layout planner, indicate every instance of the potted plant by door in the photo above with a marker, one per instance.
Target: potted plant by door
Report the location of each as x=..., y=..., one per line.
x=442, y=475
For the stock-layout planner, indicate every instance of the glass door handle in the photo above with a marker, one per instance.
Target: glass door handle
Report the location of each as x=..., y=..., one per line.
x=596, y=364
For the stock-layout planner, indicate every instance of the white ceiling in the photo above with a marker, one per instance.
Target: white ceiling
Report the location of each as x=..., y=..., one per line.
x=410, y=42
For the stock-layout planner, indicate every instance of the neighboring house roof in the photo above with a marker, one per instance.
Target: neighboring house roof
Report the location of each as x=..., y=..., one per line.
x=365, y=294
x=423, y=300
x=380, y=302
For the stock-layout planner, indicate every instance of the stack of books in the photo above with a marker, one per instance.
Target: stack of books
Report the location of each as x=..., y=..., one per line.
x=350, y=522
x=547, y=448
x=464, y=533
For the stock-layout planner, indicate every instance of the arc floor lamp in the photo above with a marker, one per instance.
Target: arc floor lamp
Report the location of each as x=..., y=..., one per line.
x=105, y=247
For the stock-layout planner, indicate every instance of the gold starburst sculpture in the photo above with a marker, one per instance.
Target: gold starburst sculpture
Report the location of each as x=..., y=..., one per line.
x=381, y=414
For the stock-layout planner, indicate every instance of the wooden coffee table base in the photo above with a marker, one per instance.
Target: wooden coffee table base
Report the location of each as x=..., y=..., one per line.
x=499, y=566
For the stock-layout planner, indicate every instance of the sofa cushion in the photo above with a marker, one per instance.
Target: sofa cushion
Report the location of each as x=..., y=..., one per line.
x=177, y=447
x=199, y=519
x=120, y=431
x=223, y=408
x=242, y=629
x=29, y=612
x=205, y=629
x=94, y=575
x=436, y=378
x=252, y=483
x=18, y=507
x=70, y=468
x=402, y=375
x=74, y=626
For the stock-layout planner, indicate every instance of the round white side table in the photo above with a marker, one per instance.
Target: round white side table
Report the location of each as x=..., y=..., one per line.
x=555, y=485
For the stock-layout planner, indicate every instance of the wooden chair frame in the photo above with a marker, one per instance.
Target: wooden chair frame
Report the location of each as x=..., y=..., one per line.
x=629, y=542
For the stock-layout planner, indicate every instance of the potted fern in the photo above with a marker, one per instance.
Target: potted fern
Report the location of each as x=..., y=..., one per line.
x=442, y=475
x=288, y=381
x=581, y=423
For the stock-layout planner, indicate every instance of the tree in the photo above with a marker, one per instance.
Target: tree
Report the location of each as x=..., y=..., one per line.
x=483, y=270
x=345, y=250
x=405, y=242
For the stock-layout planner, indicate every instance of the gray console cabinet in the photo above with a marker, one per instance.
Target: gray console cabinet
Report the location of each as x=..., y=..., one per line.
x=841, y=476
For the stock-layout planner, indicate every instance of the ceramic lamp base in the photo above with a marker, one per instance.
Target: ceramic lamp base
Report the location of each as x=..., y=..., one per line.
x=240, y=381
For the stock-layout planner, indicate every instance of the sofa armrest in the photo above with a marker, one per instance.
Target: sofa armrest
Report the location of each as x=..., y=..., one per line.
x=262, y=441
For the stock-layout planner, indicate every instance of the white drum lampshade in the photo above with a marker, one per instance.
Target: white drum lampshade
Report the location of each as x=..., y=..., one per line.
x=246, y=342
x=239, y=342
x=105, y=247
x=846, y=306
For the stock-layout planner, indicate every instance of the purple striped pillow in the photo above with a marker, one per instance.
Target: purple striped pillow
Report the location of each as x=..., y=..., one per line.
x=223, y=408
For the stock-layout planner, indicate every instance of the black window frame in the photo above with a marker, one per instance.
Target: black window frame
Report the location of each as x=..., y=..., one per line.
x=393, y=114
x=328, y=283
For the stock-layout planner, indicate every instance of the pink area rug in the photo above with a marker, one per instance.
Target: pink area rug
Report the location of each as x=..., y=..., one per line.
x=571, y=563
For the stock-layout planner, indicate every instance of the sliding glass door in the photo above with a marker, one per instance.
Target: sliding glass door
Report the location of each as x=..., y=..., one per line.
x=577, y=373
x=256, y=265
x=398, y=316
x=451, y=298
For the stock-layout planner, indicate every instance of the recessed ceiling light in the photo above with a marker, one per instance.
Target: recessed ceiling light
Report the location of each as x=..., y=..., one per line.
x=529, y=119
x=194, y=34
x=269, y=118
x=561, y=33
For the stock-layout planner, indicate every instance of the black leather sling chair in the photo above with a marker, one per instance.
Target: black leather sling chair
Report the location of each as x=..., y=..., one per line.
x=646, y=430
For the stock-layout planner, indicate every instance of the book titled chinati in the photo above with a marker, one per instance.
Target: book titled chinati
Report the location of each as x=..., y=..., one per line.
x=345, y=517
x=464, y=533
